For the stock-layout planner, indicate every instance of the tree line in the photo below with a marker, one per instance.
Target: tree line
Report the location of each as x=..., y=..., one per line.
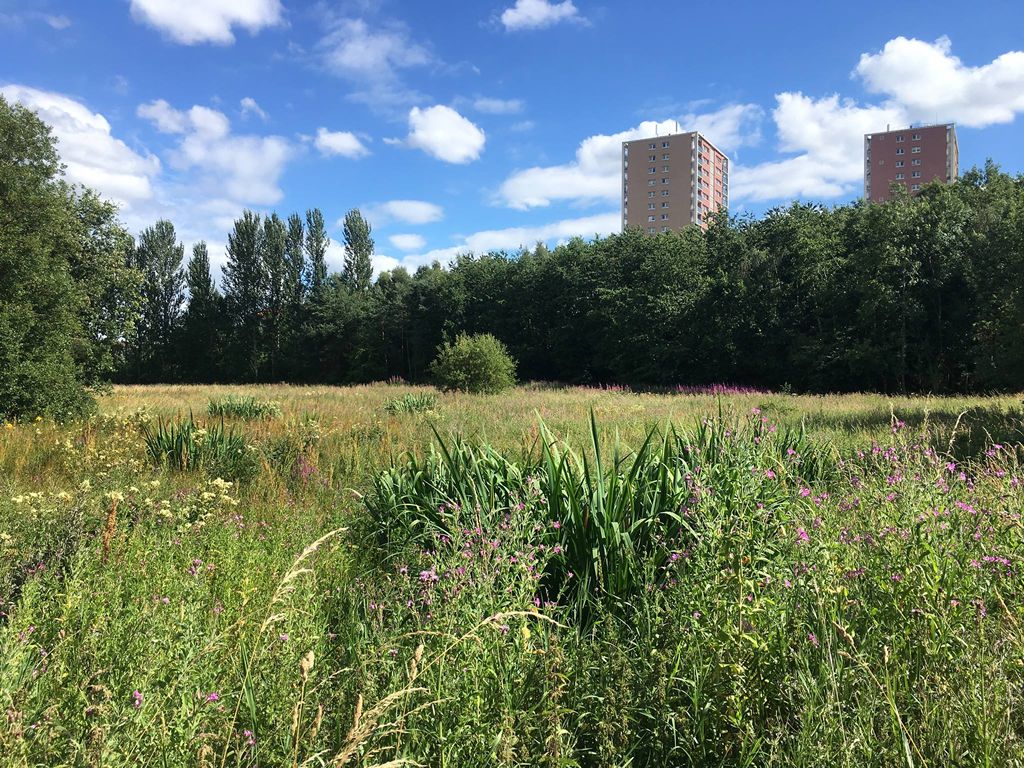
x=922, y=293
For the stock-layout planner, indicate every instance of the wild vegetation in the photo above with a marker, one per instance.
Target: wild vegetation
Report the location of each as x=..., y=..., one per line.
x=544, y=577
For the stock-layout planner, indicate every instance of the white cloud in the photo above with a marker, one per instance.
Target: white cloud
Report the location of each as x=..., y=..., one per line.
x=510, y=239
x=405, y=211
x=443, y=133
x=523, y=126
x=408, y=242
x=165, y=117
x=87, y=147
x=498, y=106
x=372, y=58
x=933, y=85
x=206, y=21
x=245, y=169
x=922, y=82
x=536, y=14
x=250, y=107
x=57, y=22
x=341, y=143
x=828, y=134
x=595, y=174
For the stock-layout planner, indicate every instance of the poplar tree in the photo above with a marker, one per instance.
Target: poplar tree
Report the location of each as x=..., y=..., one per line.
x=273, y=251
x=316, y=252
x=158, y=257
x=358, y=268
x=245, y=292
x=201, y=342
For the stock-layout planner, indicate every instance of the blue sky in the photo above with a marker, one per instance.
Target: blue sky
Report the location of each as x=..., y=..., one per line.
x=462, y=126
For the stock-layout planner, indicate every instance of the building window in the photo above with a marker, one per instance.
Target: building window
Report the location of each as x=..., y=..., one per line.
x=915, y=150
x=899, y=163
x=900, y=151
x=652, y=158
x=664, y=181
x=915, y=187
x=916, y=137
x=650, y=194
x=654, y=145
x=915, y=162
x=650, y=206
x=899, y=139
x=650, y=218
x=664, y=205
x=665, y=169
x=664, y=145
x=664, y=193
x=664, y=217
x=899, y=177
x=665, y=156
x=916, y=174
x=651, y=230
x=664, y=229
x=650, y=170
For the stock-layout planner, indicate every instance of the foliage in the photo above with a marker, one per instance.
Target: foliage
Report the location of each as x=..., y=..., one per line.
x=186, y=446
x=412, y=402
x=67, y=295
x=247, y=408
x=358, y=269
x=478, y=363
x=866, y=612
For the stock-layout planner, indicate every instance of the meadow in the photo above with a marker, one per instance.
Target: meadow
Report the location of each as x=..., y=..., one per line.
x=386, y=575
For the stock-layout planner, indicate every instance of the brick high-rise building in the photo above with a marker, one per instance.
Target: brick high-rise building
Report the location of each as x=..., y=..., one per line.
x=670, y=182
x=911, y=156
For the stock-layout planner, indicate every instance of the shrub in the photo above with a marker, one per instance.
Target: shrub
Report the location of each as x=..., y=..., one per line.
x=247, y=408
x=189, y=447
x=411, y=403
x=478, y=363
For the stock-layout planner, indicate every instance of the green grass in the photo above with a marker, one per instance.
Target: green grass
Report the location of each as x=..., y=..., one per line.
x=247, y=408
x=764, y=580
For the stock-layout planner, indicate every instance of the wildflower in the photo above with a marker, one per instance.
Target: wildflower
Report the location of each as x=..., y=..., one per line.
x=801, y=536
x=769, y=474
x=250, y=739
x=805, y=492
x=812, y=639
x=137, y=699
x=555, y=524
x=212, y=697
x=283, y=637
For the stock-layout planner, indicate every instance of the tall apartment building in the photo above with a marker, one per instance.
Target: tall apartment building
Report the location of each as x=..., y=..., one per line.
x=669, y=182
x=911, y=156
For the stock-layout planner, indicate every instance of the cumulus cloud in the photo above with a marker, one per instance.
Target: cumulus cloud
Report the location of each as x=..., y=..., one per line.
x=828, y=135
x=208, y=21
x=247, y=168
x=408, y=242
x=405, y=211
x=250, y=108
x=372, y=59
x=921, y=82
x=509, y=239
x=498, y=106
x=443, y=133
x=595, y=174
x=340, y=143
x=931, y=84
x=93, y=156
x=536, y=14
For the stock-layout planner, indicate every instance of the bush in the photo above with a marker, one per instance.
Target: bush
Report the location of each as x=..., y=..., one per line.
x=477, y=363
x=247, y=408
x=186, y=446
x=411, y=403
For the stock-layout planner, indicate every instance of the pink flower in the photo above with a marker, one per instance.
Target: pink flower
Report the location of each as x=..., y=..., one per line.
x=137, y=699
x=212, y=698
x=801, y=536
x=812, y=639
x=805, y=492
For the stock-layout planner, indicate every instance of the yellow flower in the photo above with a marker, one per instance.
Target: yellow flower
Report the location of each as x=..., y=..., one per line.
x=525, y=632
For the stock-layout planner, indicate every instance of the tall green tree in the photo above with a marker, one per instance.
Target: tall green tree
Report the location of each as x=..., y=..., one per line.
x=158, y=257
x=67, y=291
x=245, y=297
x=201, y=333
x=358, y=267
x=317, y=242
x=273, y=248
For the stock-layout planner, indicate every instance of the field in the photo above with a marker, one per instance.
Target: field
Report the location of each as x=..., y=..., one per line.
x=387, y=575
